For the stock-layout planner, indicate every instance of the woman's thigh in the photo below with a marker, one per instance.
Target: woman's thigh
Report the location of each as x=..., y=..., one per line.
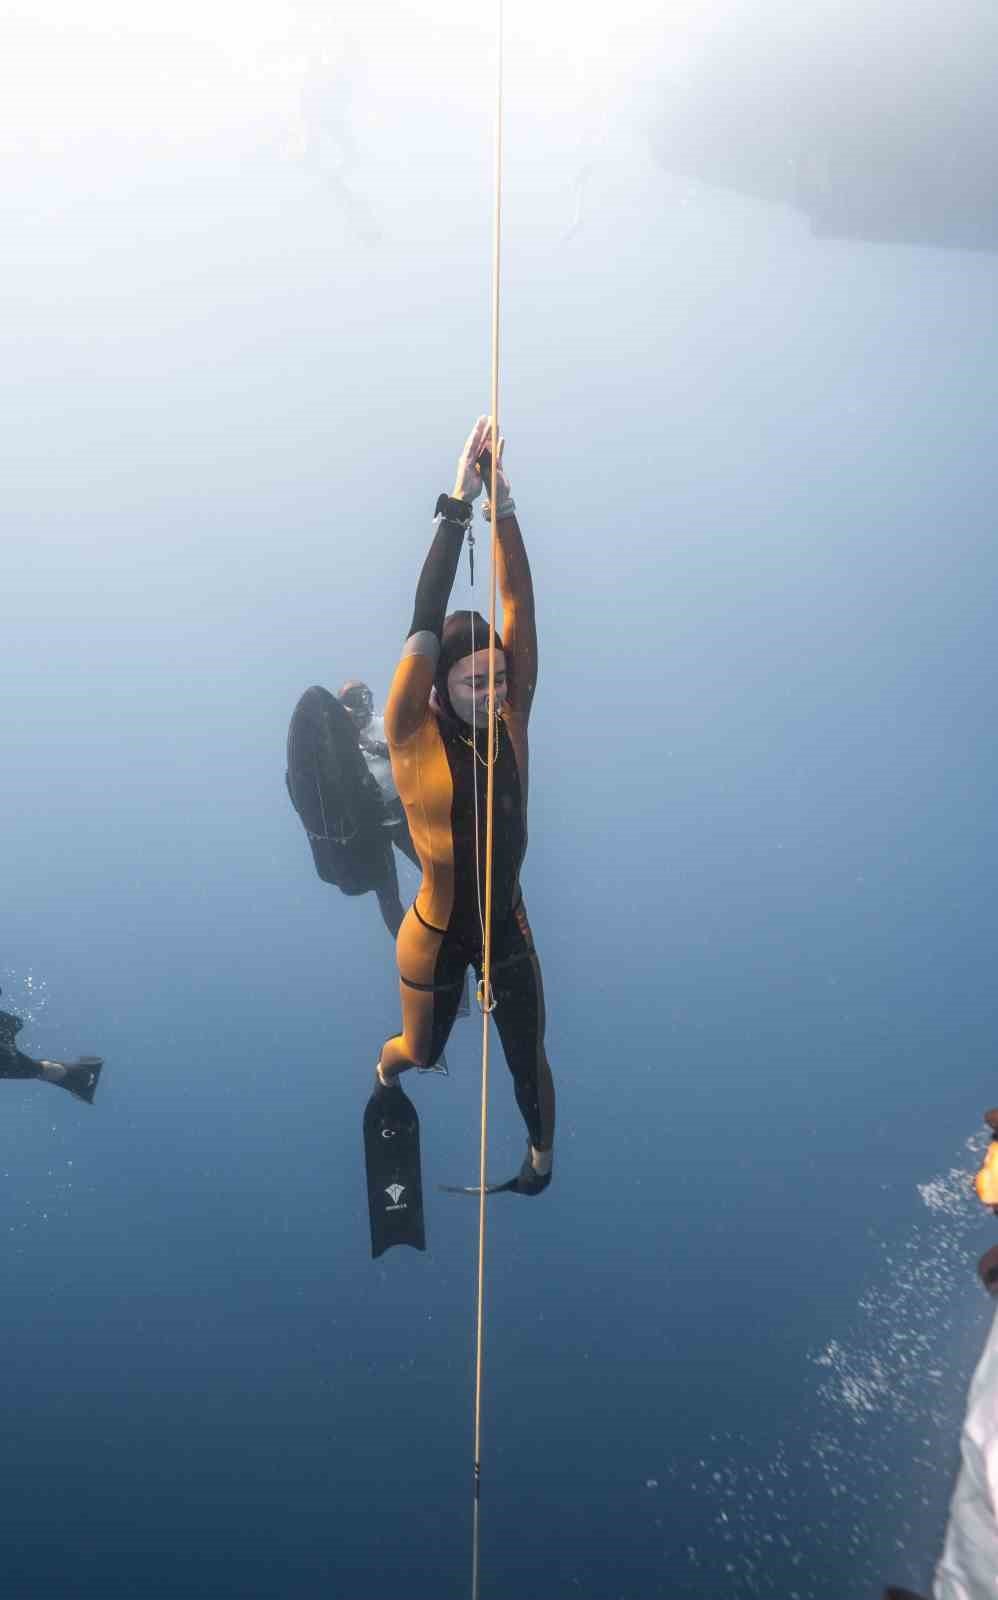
x=519, y=993
x=431, y=982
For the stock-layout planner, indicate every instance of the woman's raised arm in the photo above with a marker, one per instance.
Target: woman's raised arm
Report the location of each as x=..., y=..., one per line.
x=409, y=696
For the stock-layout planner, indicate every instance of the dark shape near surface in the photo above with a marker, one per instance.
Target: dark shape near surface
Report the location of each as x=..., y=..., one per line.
x=394, y=1173
x=902, y=1594
x=878, y=123
x=334, y=794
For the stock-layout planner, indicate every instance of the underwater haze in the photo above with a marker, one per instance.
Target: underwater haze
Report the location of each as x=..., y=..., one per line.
x=246, y=291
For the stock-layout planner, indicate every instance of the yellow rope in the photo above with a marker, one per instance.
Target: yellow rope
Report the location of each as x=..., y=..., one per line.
x=489, y=814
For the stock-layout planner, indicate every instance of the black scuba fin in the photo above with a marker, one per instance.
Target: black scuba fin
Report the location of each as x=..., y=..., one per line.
x=82, y=1077
x=439, y=1066
x=472, y=1188
x=394, y=1175
x=527, y=1181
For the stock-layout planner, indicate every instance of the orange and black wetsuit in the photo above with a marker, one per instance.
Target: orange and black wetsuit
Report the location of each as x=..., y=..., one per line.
x=440, y=768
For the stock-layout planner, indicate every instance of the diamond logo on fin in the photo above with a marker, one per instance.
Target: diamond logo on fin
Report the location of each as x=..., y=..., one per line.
x=396, y=1191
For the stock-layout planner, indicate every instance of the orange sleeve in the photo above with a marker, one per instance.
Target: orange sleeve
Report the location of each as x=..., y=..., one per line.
x=409, y=697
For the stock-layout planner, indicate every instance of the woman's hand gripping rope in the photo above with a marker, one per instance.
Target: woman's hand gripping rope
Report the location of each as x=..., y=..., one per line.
x=474, y=471
x=504, y=494
x=468, y=478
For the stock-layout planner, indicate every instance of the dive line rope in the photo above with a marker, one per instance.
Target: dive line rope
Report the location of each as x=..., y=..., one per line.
x=485, y=998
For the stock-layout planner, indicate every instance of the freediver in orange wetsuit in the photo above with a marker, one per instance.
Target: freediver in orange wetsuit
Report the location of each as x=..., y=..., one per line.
x=436, y=726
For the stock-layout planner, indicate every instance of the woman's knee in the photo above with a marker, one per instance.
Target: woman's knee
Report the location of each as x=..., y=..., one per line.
x=419, y=1055
x=408, y=1049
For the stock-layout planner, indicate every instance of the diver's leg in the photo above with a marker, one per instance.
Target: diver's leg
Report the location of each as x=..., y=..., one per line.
x=15, y=1064
x=430, y=978
x=387, y=889
x=390, y=907
x=330, y=860
x=520, y=1019
x=79, y=1077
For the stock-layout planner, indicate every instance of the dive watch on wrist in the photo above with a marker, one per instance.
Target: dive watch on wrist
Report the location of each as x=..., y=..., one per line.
x=459, y=512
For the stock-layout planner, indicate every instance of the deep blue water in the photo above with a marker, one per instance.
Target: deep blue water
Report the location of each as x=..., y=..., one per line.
x=727, y=1351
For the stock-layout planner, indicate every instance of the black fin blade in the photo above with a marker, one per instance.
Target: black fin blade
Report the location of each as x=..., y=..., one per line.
x=473, y=1188
x=82, y=1077
x=394, y=1174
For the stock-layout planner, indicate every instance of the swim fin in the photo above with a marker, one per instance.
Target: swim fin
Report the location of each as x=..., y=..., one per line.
x=394, y=1175
x=527, y=1181
x=440, y=1066
x=327, y=778
x=82, y=1077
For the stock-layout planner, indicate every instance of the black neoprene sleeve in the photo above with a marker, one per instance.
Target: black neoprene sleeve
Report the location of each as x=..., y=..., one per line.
x=437, y=579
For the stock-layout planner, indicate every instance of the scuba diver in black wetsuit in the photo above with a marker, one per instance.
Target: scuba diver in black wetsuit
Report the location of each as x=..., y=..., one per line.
x=340, y=782
x=80, y=1077
x=359, y=702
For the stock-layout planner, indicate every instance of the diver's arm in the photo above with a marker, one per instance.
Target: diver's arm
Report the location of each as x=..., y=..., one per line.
x=409, y=695
x=437, y=577
x=372, y=739
x=519, y=628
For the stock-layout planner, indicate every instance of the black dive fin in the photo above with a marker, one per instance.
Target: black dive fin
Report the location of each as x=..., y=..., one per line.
x=82, y=1077
x=327, y=779
x=527, y=1181
x=472, y=1188
x=394, y=1176
x=439, y=1066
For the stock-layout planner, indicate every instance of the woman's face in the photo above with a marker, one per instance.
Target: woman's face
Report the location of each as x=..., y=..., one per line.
x=468, y=686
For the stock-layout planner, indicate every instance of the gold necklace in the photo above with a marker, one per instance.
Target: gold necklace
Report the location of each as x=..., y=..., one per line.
x=473, y=746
